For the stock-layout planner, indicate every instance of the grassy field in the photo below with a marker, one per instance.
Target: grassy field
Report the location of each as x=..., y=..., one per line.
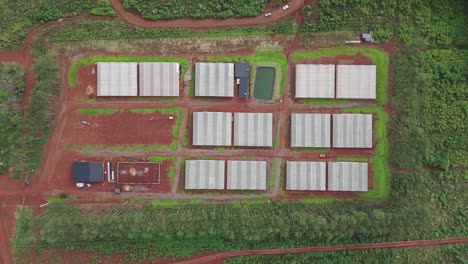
x=73, y=70
x=378, y=57
x=97, y=111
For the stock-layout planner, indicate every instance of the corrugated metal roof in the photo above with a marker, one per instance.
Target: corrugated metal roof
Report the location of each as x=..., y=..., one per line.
x=310, y=130
x=214, y=79
x=347, y=176
x=352, y=131
x=204, y=174
x=117, y=79
x=246, y=175
x=356, y=81
x=315, y=81
x=159, y=79
x=305, y=175
x=212, y=129
x=253, y=129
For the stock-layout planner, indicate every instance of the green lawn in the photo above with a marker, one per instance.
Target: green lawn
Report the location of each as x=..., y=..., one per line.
x=97, y=111
x=73, y=70
x=378, y=57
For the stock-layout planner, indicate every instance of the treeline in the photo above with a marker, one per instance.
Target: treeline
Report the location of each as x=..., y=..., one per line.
x=18, y=15
x=36, y=124
x=412, y=212
x=168, y=9
x=12, y=85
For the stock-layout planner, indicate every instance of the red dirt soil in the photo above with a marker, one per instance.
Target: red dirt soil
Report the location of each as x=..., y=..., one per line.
x=118, y=129
x=206, y=23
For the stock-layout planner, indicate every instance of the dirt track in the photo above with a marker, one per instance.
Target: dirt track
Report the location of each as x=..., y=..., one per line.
x=276, y=15
x=219, y=257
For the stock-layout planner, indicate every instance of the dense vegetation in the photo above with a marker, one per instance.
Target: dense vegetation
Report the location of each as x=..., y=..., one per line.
x=18, y=16
x=431, y=97
x=166, y=9
x=12, y=84
x=36, y=124
x=416, y=210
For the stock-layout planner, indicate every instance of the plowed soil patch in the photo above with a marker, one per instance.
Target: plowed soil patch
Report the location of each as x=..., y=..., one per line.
x=119, y=128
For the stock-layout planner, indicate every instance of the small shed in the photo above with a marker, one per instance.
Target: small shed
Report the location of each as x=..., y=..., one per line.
x=367, y=37
x=83, y=171
x=242, y=72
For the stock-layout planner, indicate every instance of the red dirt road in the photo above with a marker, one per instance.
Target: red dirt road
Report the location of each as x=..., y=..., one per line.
x=206, y=23
x=219, y=257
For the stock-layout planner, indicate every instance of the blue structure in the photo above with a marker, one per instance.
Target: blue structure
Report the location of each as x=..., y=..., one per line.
x=242, y=72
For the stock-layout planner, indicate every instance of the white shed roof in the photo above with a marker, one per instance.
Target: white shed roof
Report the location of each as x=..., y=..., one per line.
x=212, y=129
x=117, y=79
x=352, y=131
x=246, y=175
x=310, y=130
x=356, y=81
x=204, y=174
x=159, y=79
x=214, y=79
x=347, y=176
x=253, y=129
x=315, y=81
x=305, y=175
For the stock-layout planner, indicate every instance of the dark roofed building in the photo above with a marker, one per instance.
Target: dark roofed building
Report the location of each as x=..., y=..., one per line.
x=87, y=171
x=242, y=71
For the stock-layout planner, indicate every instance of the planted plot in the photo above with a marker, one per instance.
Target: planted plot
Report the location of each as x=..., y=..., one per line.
x=264, y=83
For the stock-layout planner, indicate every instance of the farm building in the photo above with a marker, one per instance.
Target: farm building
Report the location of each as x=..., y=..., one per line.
x=305, y=176
x=347, y=176
x=310, y=130
x=352, y=131
x=204, y=174
x=159, y=79
x=214, y=79
x=315, y=81
x=117, y=79
x=356, y=81
x=212, y=129
x=242, y=72
x=84, y=172
x=246, y=175
x=253, y=129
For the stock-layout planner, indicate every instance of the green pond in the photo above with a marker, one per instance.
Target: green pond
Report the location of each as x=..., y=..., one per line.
x=264, y=83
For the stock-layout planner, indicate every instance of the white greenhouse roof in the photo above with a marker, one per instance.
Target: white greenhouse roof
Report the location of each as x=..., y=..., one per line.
x=159, y=79
x=214, y=79
x=253, y=129
x=315, y=81
x=204, y=174
x=246, y=175
x=310, y=130
x=347, y=176
x=356, y=81
x=305, y=176
x=212, y=129
x=117, y=79
x=352, y=131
